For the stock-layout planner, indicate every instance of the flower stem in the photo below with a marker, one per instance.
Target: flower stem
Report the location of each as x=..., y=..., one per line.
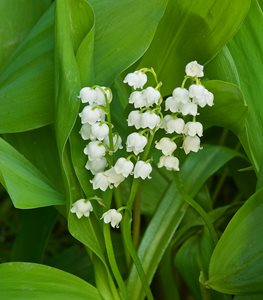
x=137, y=218
x=111, y=255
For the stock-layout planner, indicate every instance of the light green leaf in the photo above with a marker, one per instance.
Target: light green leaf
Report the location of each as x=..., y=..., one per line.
x=236, y=266
x=26, y=185
x=28, y=281
x=122, y=40
x=17, y=17
x=229, y=108
x=26, y=84
x=192, y=30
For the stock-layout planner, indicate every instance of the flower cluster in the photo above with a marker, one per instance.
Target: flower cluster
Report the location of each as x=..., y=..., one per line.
x=176, y=115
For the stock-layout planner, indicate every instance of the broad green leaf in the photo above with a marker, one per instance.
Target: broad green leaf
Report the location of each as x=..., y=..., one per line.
x=236, y=266
x=250, y=297
x=243, y=62
x=122, y=40
x=39, y=147
x=192, y=30
x=28, y=281
x=229, y=109
x=26, y=84
x=31, y=241
x=172, y=209
x=26, y=185
x=17, y=17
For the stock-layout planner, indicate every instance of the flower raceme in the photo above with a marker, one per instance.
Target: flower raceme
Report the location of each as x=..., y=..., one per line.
x=174, y=116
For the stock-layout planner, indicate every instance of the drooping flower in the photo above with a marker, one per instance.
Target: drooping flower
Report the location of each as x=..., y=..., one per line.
x=189, y=109
x=191, y=143
x=134, y=119
x=171, y=163
x=166, y=145
x=123, y=166
x=88, y=95
x=91, y=115
x=137, y=99
x=117, y=142
x=97, y=165
x=81, y=208
x=151, y=96
x=181, y=95
x=114, y=178
x=172, y=105
x=135, y=143
x=99, y=131
x=85, y=131
x=150, y=120
x=175, y=125
x=193, y=129
x=95, y=150
x=113, y=217
x=142, y=170
x=194, y=69
x=101, y=93
x=100, y=181
x=136, y=79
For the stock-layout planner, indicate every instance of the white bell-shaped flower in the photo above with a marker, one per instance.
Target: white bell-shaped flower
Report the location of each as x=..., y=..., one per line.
x=123, y=166
x=101, y=92
x=113, y=217
x=88, y=95
x=134, y=119
x=135, y=143
x=193, y=129
x=209, y=98
x=172, y=105
x=85, y=131
x=166, y=145
x=91, y=115
x=196, y=91
x=137, y=99
x=95, y=150
x=165, y=120
x=136, y=79
x=113, y=177
x=181, y=95
x=142, y=170
x=171, y=163
x=194, y=69
x=175, y=125
x=81, y=208
x=151, y=96
x=117, y=142
x=97, y=165
x=100, y=181
x=189, y=109
x=99, y=131
x=191, y=143
x=150, y=120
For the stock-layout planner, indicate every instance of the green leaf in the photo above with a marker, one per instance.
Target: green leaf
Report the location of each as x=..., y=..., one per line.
x=229, y=108
x=192, y=30
x=243, y=55
x=26, y=84
x=122, y=40
x=16, y=19
x=28, y=281
x=236, y=266
x=26, y=185
x=172, y=209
